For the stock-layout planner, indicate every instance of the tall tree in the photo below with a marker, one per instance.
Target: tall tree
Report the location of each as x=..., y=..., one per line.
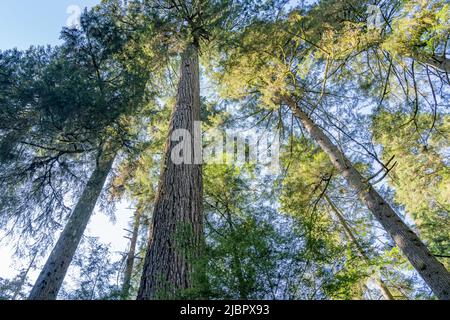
x=178, y=219
x=426, y=264
x=385, y=290
x=178, y=204
x=308, y=186
x=52, y=275
x=129, y=267
x=280, y=78
x=121, y=91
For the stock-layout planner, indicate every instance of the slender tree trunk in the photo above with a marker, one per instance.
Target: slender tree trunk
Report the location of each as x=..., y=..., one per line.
x=52, y=275
x=131, y=254
x=177, y=218
x=440, y=63
x=384, y=289
x=431, y=270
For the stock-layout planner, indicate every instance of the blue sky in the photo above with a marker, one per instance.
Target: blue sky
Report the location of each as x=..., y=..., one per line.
x=34, y=22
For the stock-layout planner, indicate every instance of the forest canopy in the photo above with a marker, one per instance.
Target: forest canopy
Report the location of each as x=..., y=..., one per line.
x=270, y=150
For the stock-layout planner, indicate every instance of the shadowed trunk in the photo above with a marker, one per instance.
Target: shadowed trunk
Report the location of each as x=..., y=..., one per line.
x=430, y=269
x=384, y=289
x=177, y=217
x=131, y=254
x=52, y=275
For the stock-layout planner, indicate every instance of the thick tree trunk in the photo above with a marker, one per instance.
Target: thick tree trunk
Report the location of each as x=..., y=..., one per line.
x=150, y=231
x=52, y=275
x=177, y=218
x=383, y=287
x=131, y=254
x=431, y=270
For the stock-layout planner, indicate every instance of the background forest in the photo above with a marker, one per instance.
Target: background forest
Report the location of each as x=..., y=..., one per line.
x=355, y=93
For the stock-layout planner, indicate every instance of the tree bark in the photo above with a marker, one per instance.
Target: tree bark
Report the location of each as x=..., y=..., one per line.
x=131, y=254
x=52, y=275
x=431, y=270
x=177, y=218
x=383, y=287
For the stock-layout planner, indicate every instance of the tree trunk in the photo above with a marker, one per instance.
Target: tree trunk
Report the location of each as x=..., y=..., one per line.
x=431, y=270
x=177, y=218
x=131, y=254
x=384, y=289
x=150, y=231
x=439, y=63
x=52, y=275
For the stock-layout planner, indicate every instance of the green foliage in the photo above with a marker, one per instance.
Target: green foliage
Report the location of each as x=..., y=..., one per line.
x=421, y=30
x=238, y=237
x=62, y=105
x=94, y=273
x=422, y=176
x=309, y=177
x=266, y=237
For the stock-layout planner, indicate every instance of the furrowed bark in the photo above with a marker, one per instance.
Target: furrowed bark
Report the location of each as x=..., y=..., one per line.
x=52, y=275
x=431, y=270
x=131, y=254
x=383, y=287
x=177, y=217
x=150, y=231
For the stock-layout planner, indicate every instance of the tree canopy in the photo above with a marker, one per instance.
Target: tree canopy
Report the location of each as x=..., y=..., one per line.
x=351, y=97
